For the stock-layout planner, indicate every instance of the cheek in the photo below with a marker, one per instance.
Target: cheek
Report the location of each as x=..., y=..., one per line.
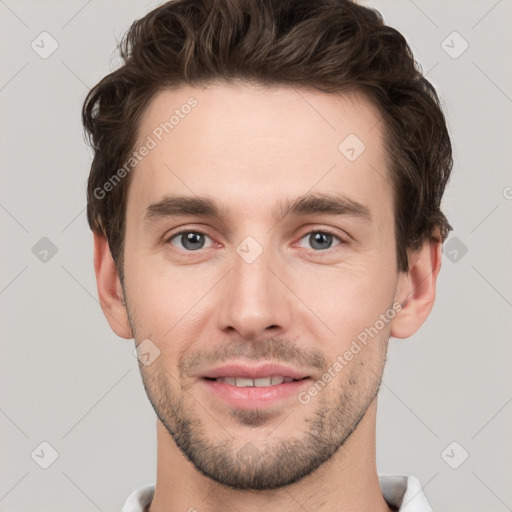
x=347, y=301
x=168, y=302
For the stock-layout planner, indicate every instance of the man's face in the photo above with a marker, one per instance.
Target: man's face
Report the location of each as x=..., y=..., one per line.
x=254, y=287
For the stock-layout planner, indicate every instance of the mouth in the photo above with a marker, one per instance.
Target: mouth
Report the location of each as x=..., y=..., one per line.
x=260, y=382
x=244, y=375
x=245, y=387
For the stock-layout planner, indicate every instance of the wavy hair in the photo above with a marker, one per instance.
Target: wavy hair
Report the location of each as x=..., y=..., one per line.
x=333, y=46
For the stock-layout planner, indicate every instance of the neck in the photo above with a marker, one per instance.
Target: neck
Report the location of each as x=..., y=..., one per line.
x=346, y=482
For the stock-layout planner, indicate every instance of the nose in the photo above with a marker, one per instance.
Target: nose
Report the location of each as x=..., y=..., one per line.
x=255, y=298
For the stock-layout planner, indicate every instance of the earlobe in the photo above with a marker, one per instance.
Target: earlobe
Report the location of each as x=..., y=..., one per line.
x=416, y=289
x=110, y=292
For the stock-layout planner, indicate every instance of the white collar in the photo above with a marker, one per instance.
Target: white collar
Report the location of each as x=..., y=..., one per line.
x=399, y=491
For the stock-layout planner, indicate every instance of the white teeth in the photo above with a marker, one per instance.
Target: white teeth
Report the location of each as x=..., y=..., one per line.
x=263, y=381
x=258, y=383
x=244, y=383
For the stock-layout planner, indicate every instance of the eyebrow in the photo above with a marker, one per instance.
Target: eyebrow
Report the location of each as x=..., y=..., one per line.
x=309, y=204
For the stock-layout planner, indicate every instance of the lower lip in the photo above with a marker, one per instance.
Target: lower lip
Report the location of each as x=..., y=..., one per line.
x=250, y=397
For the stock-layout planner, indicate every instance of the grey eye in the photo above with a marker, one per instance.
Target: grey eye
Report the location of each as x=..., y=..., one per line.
x=320, y=240
x=190, y=240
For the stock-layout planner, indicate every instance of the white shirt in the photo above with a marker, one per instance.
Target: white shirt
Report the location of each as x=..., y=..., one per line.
x=399, y=491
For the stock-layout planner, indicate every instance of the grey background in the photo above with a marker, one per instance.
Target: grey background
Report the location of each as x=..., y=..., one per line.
x=67, y=380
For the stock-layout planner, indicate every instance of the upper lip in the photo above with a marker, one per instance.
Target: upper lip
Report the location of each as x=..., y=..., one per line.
x=254, y=372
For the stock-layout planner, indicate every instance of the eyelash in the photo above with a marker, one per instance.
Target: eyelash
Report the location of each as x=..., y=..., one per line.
x=317, y=251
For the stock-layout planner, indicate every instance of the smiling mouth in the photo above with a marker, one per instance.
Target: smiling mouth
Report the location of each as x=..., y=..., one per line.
x=261, y=382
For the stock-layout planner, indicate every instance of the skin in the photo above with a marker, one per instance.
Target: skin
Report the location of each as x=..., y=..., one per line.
x=249, y=148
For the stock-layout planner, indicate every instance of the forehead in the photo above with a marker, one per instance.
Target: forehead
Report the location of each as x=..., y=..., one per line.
x=239, y=142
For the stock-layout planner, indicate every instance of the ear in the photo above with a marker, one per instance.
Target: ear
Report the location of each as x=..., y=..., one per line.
x=416, y=289
x=110, y=291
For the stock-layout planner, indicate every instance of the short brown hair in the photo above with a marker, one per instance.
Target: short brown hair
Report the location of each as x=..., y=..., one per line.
x=331, y=46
